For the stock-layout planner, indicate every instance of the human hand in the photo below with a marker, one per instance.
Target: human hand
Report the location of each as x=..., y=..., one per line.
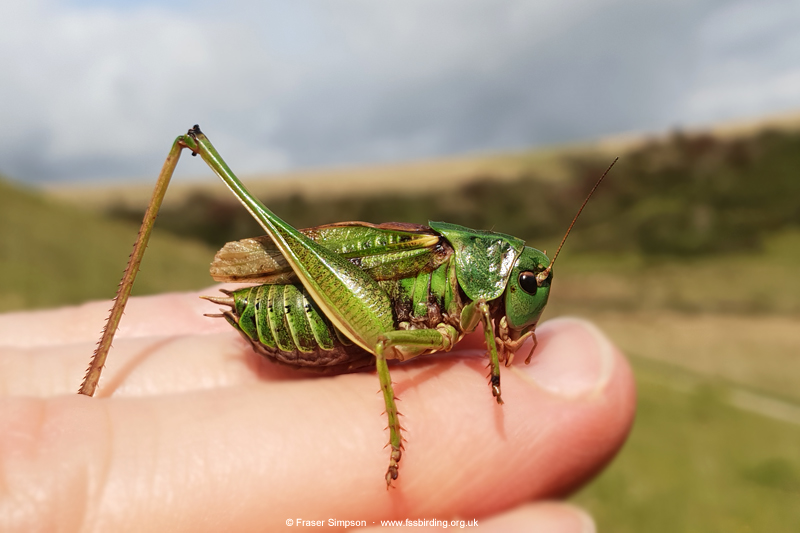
x=191, y=430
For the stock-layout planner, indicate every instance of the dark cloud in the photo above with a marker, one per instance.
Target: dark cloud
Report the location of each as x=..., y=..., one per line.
x=281, y=85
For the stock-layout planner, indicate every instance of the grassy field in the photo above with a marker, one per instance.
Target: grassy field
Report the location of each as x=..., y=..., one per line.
x=53, y=254
x=696, y=463
x=713, y=333
x=716, y=439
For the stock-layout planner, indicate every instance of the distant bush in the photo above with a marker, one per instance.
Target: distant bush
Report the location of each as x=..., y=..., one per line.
x=700, y=194
x=683, y=195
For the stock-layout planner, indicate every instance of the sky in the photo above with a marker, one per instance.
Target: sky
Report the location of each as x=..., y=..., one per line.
x=98, y=90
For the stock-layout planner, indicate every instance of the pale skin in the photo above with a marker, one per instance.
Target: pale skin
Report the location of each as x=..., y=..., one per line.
x=192, y=431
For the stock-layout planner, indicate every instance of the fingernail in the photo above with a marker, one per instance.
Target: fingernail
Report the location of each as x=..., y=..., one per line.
x=573, y=358
x=586, y=521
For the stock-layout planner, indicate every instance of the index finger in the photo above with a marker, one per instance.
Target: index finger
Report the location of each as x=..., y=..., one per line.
x=253, y=456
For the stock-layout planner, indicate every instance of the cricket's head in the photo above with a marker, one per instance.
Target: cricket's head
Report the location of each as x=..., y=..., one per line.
x=529, y=285
x=528, y=289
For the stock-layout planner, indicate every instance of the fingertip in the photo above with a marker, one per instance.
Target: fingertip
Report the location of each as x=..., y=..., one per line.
x=574, y=359
x=552, y=517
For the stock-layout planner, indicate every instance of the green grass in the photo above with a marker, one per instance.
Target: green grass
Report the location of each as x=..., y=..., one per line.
x=695, y=463
x=750, y=283
x=52, y=255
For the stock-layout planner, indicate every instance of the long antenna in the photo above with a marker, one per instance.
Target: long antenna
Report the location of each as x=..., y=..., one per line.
x=544, y=274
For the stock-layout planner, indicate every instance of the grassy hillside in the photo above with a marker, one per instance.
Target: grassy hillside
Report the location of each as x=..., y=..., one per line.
x=694, y=462
x=427, y=176
x=679, y=196
x=53, y=254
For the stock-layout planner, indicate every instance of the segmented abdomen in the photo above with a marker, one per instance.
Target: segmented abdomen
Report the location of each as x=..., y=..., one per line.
x=285, y=324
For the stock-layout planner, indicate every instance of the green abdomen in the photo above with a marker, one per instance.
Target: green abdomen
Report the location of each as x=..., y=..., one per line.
x=283, y=323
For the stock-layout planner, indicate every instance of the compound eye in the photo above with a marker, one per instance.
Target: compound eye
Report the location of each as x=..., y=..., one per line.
x=527, y=280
